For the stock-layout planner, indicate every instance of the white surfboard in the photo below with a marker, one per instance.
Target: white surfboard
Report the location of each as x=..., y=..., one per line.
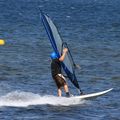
x=93, y=95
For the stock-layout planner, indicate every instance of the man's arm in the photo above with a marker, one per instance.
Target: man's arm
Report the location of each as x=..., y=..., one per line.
x=65, y=50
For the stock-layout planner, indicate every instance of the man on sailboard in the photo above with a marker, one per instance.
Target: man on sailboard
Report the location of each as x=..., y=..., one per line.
x=56, y=72
x=68, y=64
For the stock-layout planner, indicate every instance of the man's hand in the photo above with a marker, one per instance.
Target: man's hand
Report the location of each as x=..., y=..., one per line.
x=65, y=50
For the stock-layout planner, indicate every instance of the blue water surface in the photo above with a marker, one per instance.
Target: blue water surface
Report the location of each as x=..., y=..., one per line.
x=92, y=30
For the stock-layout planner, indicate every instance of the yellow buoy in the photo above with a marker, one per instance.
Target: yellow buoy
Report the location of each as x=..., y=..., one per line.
x=2, y=42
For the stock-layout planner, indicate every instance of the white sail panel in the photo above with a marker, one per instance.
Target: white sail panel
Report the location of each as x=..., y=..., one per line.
x=59, y=42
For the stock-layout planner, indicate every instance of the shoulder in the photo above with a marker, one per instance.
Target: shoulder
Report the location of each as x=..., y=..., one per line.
x=55, y=61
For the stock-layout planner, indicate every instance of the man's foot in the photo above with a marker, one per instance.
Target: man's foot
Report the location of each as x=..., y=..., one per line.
x=68, y=94
x=81, y=93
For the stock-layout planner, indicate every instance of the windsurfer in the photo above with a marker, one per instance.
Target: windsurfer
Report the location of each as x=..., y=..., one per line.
x=57, y=74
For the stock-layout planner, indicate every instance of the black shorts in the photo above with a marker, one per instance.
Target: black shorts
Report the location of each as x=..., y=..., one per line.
x=59, y=80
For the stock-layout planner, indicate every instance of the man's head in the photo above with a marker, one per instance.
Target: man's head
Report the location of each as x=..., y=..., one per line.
x=54, y=55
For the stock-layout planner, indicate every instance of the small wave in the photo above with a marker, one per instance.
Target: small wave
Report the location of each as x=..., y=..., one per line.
x=25, y=99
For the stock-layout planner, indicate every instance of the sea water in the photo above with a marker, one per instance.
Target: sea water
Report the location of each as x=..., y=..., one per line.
x=92, y=30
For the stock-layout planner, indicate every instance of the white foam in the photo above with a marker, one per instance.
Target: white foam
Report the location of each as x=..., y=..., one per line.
x=24, y=99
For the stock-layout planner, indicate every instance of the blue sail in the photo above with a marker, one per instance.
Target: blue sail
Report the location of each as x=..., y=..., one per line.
x=58, y=45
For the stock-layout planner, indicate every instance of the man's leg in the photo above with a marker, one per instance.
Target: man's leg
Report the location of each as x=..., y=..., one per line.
x=59, y=92
x=66, y=90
